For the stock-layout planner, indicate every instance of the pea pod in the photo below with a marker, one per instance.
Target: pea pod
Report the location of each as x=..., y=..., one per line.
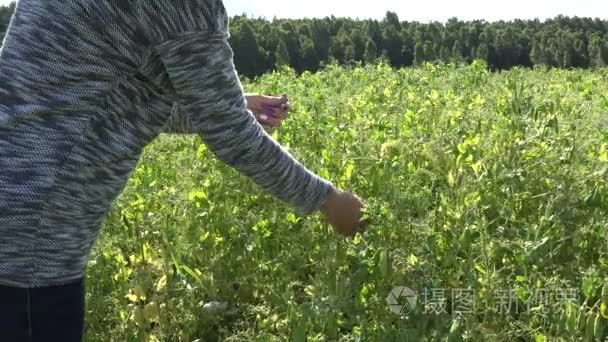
x=571, y=318
x=455, y=334
x=589, y=325
x=562, y=324
x=604, y=301
x=464, y=238
x=151, y=311
x=580, y=318
x=138, y=315
x=384, y=263
x=298, y=333
x=598, y=326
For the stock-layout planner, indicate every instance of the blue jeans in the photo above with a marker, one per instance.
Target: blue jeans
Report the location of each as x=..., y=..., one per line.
x=42, y=314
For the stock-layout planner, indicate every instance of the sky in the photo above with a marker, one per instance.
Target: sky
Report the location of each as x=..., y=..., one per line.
x=418, y=10
x=421, y=10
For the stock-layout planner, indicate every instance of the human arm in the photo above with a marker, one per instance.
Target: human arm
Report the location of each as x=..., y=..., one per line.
x=198, y=61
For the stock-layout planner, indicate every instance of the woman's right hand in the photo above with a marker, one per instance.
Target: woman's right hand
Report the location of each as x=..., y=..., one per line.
x=270, y=111
x=344, y=211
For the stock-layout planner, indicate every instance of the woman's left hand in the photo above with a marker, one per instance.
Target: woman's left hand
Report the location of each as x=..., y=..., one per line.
x=270, y=111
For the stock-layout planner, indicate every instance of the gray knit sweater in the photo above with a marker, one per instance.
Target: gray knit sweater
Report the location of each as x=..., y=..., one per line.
x=84, y=86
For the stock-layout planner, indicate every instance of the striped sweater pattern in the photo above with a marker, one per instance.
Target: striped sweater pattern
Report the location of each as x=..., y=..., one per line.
x=85, y=85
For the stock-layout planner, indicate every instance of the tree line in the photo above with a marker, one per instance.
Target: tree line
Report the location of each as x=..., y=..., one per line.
x=5, y=16
x=306, y=44
x=260, y=45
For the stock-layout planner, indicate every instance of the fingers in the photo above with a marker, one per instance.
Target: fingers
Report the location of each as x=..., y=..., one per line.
x=279, y=105
x=270, y=110
x=281, y=102
x=286, y=106
x=276, y=113
x=273, y=101
x=267, y=121
x=273, y=122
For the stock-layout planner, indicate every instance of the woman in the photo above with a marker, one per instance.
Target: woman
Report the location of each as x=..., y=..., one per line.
x=84, y=86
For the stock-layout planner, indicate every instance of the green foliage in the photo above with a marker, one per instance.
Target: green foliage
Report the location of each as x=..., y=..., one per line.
x=5, y=16
x=474, y=180
x=282, y=54
x=370, y=51
x=246, y=43
x=419, y=54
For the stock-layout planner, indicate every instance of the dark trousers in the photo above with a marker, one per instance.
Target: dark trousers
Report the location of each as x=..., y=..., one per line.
x=42, y=314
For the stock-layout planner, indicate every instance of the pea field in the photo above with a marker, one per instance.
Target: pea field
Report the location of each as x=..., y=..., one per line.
x=487, y=194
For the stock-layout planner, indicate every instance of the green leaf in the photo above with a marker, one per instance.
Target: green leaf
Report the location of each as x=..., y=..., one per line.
x=197, y=195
